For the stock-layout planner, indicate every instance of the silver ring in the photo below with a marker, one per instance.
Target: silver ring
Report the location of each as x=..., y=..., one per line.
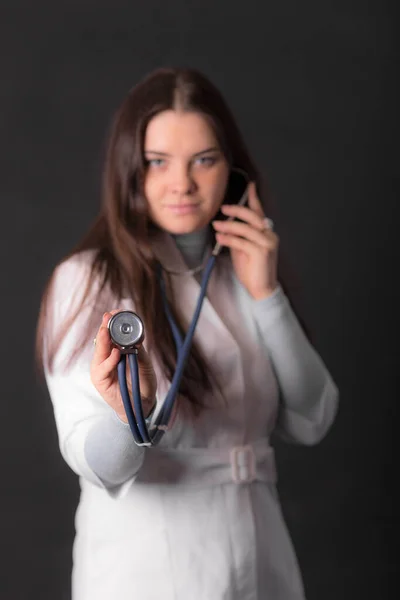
x=268, y=223
x=94, y=341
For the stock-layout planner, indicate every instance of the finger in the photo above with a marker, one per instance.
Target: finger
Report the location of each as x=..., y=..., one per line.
x=142, y=355
x=237, y=243
x=245, y=214
x=102, y=342
x=145, y=364
x=243, y=230
x=104, y=370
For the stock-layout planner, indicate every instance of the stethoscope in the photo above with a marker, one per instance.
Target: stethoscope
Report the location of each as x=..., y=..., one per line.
x=127, y=334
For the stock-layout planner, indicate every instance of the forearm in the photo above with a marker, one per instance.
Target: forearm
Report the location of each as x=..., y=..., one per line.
x=301, y=373
x=111, y=452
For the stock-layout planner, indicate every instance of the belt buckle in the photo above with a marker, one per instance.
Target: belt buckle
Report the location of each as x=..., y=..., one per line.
x=243, y=464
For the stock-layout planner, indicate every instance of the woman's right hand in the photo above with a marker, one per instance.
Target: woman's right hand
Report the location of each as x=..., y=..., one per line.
x=104, y=376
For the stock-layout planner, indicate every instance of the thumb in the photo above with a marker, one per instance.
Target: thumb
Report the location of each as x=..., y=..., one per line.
x=144, y=359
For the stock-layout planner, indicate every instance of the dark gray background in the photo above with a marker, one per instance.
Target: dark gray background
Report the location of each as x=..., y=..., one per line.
x=313, y=86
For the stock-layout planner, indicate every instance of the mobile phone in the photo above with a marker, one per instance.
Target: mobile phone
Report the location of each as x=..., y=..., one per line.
x=236, y=191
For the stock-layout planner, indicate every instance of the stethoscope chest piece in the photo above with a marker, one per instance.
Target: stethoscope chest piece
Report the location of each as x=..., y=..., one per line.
x=126, y=331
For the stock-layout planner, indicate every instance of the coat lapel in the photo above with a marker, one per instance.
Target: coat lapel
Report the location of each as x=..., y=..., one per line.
x=218, y=305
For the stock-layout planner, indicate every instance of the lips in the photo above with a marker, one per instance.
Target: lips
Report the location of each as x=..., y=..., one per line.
x=182, y=208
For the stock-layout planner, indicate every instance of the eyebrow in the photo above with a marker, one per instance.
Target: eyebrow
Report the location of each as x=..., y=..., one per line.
x=211, y=149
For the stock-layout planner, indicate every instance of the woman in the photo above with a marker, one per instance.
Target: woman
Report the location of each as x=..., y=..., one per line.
x=198, y=515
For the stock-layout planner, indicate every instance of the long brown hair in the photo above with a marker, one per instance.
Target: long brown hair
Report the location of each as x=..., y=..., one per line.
x=120, y=237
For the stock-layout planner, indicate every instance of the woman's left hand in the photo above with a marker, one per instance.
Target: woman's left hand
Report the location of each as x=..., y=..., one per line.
x=254, y=248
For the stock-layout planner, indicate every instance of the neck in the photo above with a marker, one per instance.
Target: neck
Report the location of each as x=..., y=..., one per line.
x=193, y=245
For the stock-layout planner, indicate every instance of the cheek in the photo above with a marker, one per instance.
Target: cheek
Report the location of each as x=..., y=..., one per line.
x=152, y=190
x=217, y=187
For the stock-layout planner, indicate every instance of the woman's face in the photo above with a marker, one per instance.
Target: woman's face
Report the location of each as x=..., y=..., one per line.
x=186, y=172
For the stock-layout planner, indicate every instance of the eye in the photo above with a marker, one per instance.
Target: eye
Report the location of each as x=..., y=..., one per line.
x=155, y=162
x=207, y=161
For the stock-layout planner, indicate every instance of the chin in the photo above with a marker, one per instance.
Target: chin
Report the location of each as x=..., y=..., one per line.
x=183, y=226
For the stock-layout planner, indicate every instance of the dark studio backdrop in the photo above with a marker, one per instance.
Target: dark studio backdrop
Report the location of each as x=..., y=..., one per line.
x=313, y=85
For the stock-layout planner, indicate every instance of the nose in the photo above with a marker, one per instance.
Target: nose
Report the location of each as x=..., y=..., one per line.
x=181, y=180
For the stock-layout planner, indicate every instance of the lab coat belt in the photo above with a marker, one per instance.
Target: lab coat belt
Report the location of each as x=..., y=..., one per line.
x=211, y=466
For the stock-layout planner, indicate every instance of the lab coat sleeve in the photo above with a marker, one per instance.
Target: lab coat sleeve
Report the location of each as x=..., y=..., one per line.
x=309, y=396
x=95, y=444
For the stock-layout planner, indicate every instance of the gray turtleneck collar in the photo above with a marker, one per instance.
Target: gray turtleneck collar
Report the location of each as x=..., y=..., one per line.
x=193, y=245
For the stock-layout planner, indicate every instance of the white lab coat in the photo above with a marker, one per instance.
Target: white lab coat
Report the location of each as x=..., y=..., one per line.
x=201, y=520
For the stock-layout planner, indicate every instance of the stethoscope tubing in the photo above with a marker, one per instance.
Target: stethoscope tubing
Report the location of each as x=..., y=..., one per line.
x=142, y=435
